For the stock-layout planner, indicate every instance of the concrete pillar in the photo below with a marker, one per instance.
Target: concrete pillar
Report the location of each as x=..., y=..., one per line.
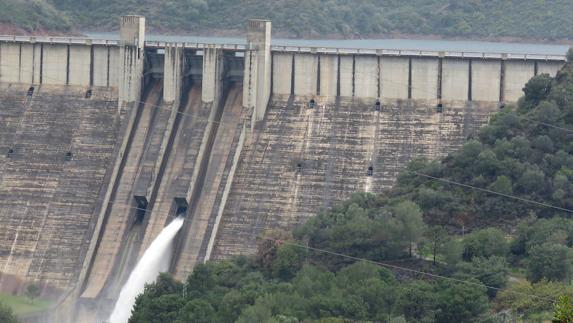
x=55, y=64
x=517, y=73
x=10, y=62
x=424, y=78
x=100, y=65
x=212, y=69
x=394, y=73
x=282, y=73
x=328, y=75
x=79, y=65
x=172, y=70
x=305, y=74
x=346, y=76
x=549, y=67
x=366, y=75
x=486, y=78
x=131, y=54
x=455, y=79
x=257, y=75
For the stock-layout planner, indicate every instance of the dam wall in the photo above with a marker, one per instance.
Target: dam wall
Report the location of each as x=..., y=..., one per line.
x=104, y=142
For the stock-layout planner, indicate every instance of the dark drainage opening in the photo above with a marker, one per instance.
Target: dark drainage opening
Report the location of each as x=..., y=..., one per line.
x=181, y=206
x=299, y=167
x=501, y=105
x=88, y=94
x=69, y=156
x=311, y=104
x=378, y=105
x=10, y=152
x=141, y=208
x=30, y=91
x=440, y=108
x=370, y=170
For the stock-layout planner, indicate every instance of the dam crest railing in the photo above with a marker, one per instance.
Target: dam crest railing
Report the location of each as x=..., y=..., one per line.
x=293, y=49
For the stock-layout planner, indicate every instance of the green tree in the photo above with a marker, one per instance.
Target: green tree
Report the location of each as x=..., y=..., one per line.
x=550, y=261
x=6, y=315
x=418, y=302
x=437, y=237
x=485, y=243
x=32, y=292
x=461, y=302
x=409, y=218
x=563, y=312
x=492, y=271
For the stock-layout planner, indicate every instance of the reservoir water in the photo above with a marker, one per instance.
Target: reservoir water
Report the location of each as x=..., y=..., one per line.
x=403, y=44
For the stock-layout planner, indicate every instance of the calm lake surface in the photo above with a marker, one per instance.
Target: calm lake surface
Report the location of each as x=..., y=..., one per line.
x=404, y=44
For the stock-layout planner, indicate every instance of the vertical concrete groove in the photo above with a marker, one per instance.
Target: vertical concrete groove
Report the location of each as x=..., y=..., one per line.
x=250, y=75
x=19, y=63
x=68, y=65
x=338, y=77
x=318, y=76
x=91, y=65
x=378, y=81
x=439, y=87
x=41, y=63
x=353, y=75
x=107, y=71
x=470, y=80
x=409, y=78
x=535, y=68
x=292, y=80
x=502, y=81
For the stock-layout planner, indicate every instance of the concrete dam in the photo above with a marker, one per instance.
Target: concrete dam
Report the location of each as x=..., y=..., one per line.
x=104, y=142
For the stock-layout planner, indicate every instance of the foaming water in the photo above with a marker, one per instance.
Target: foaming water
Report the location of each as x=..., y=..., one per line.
x=155, y=260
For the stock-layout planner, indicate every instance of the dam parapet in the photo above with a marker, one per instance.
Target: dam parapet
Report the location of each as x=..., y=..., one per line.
x=105, y=142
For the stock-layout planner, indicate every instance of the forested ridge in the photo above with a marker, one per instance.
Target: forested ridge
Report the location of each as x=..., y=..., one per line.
x=429, y=250
x=534, y=19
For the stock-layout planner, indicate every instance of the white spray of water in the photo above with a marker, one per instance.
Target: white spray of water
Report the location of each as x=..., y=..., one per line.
x=155, y=260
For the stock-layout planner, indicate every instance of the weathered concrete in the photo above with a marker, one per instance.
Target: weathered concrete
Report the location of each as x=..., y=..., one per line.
x=100, y=65
x=131, y=57
x=305, y=74
x=46, y=201
x=282, y=73
x=79, y=65
x=394, y=77
x=334, y=145
x=455, y=79
x=517, y=73
x=366, y=76
x=198, y=232
x=54, y=64
x=328, y=75
x=486, y=78
x=257, y=75
x=212, y=70
x=27, y=64
x=550, y=68
x=424, y=80
x=114, y=67
x=172, y=73
x=346, y=76
x=10, y=62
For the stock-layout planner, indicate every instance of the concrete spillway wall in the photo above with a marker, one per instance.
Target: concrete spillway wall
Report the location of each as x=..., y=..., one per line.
x=59, y=64
x=404, y=77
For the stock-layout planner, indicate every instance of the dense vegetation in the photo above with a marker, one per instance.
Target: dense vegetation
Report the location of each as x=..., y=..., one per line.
x=476, y=18
x=33, y=16
x=406, y=255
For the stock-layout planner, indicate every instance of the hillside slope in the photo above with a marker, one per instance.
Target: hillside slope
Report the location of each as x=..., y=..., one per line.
x=478, y=18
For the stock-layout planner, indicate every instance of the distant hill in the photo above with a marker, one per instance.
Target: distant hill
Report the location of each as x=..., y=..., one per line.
x=533, y=19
